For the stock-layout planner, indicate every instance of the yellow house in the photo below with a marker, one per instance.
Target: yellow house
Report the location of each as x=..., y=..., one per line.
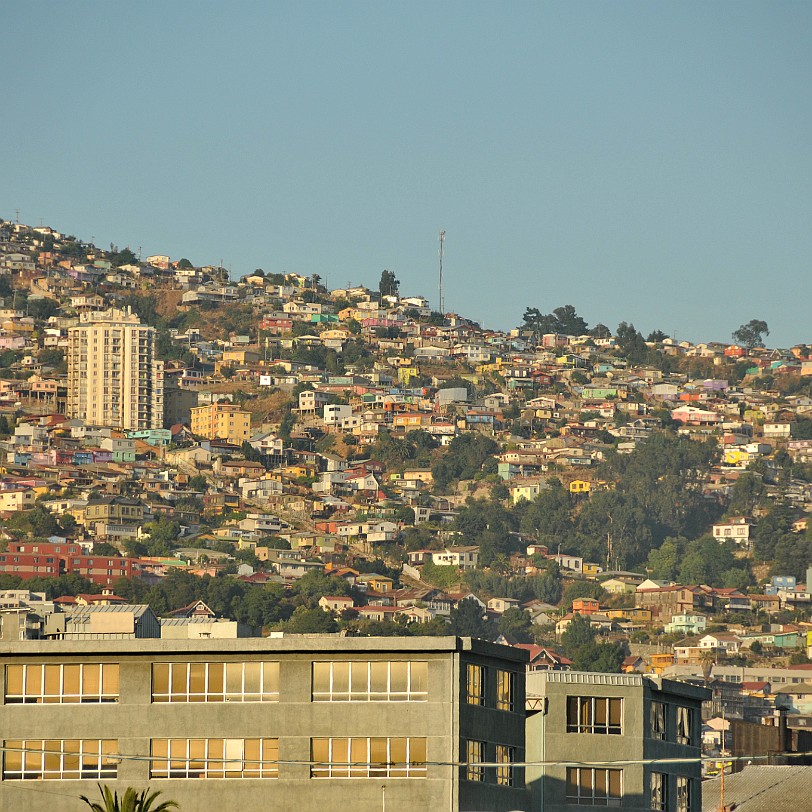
x=632, y=615
x=378, y=583
x=580, y=486
x=223, y=421
x=240, y=356
x=411, y=420
x=405, y=374
x=737, y=456
x=591, y=570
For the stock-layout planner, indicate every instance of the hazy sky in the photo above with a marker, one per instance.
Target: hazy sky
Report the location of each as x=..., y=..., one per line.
x=643, y=161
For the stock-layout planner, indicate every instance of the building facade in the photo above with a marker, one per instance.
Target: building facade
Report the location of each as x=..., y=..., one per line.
x=298, y=722
x=114, y=377
x=221, y=421
x=597, y=738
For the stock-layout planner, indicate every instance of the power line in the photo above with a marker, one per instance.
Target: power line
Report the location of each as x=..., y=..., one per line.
x=117, y=757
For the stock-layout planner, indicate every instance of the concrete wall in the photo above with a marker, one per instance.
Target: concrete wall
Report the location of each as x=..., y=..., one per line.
x=294, y=719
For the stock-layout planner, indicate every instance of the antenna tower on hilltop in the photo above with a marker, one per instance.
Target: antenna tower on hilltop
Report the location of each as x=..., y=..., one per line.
x=442, y=303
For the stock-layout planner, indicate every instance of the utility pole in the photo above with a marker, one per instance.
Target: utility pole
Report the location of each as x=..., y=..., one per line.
x=442, y=302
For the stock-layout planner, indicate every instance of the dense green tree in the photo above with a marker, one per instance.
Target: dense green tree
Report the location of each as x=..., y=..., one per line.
x=599, y=657
x=388, y=285
x=310, y=621
x=631, y=343
x=468, y=619
x=583, y=589
x=751, y=334
x=516, y=624
x=464, y=458
x=577, y=634
x=747, y=493
x=664, y=562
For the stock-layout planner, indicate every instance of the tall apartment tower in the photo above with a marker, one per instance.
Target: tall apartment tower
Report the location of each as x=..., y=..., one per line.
x=114, y=378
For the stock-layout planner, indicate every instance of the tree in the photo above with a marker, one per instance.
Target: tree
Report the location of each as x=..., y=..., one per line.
x=657, y=336
x=561, y=320
x=751, y=334
x=599, y=657
x=310, y=621
x=389, y=284
x=578, y=634
x=131, y=801
x=516, y=623
x=467, y=619
x=631, y=343
x=184, y=264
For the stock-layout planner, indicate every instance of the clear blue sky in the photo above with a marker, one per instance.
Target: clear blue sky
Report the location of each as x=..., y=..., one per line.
x=643, y=161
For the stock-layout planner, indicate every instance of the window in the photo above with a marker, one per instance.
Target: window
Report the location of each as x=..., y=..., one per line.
x=594, y=787
x=474, y=756
x=60, y=758
x=683, y=793
x=658, y=787
x=368, y=758
x=591, y=714
x=505, y=756
x=214, y=758
x=377, y=681
x=684, y=725
x=62, y=683
x=475, y=685
x=505, y=690
x=215, y=682
x=658, y=730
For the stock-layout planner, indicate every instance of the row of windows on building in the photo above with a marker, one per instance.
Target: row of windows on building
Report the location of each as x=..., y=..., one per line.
x=504, y=756
x=335, y=757
x=590, y=786
x=356, y=681
x=477, y=687
x=604, y=715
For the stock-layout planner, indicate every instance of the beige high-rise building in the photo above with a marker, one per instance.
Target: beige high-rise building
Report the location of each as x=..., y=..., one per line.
x=114, y=378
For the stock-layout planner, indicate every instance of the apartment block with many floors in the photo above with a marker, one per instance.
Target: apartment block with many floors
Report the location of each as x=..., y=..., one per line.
x=222, y=421
x=297, y=722
x=114, y=377
x=619, y=740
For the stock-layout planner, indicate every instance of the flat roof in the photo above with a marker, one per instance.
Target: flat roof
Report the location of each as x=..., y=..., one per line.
x=286, y=644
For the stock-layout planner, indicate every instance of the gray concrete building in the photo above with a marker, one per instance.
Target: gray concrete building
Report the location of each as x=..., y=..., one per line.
x=299, y=722
x=621, y=740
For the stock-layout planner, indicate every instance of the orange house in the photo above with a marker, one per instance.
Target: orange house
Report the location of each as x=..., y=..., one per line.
x=585, y=606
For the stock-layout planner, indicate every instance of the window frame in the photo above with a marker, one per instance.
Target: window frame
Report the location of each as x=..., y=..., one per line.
x=685, y=726
x=658, y=726
x=475, y=758
x=351, y=757
x=94, y=759
x=684, y=793
x=594, y=714
x=580, y=797
x=106, y=674
x=476, y=677
x=220, y=752
x=175, y=679
x=505, y=690
x=658, y=791
x=361, y=678
x=505, y=771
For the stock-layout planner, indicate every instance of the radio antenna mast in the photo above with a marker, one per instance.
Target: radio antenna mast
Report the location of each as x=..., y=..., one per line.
x=442, y=303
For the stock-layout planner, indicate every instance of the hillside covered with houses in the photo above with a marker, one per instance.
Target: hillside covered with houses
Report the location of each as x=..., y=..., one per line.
x=312, y=460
